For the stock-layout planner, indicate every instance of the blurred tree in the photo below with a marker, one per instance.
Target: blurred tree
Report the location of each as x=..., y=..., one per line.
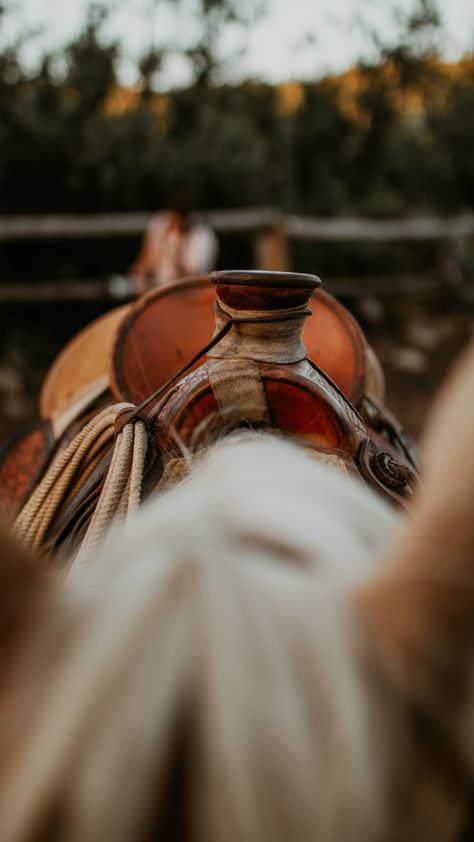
x=392, y=172
x=44, y=160
x=450, y=122
x=321, y=142
x=149, y=65
x=91, y=66
x=393, y=136
x=214, y=16
x=228, y=144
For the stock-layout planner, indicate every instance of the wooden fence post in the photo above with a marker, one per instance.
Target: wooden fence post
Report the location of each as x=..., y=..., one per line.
x=271, y=249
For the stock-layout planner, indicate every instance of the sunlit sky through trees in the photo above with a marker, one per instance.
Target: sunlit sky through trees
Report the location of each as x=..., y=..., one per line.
x=292, y=38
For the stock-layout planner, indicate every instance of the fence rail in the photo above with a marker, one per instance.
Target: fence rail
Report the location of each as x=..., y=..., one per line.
x=415, y=228
x=384, y=286
x=272, y=232
x=243, y=220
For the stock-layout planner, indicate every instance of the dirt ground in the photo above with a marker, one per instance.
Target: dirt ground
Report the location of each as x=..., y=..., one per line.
x=416, y=342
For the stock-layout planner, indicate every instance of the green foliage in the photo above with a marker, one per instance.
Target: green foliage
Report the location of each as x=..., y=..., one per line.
x=400, y=142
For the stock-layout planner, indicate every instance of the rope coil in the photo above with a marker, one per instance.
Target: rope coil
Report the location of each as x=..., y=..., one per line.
x=119, y=495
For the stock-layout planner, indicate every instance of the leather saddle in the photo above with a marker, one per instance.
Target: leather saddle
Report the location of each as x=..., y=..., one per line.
x=138, y=350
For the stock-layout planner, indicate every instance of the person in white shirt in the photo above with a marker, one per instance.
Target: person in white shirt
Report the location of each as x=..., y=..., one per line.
x=176, y=244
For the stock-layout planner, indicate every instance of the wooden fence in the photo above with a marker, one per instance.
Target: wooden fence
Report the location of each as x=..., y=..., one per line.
x=272, y=232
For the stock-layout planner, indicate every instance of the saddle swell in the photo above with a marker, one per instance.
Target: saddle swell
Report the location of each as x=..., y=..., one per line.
x=255, y=377
x=168, y=326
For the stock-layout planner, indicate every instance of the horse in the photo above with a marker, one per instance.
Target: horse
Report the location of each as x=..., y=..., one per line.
x=268, y=651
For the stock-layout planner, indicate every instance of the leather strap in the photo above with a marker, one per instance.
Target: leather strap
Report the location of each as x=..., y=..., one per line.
x=239, y=391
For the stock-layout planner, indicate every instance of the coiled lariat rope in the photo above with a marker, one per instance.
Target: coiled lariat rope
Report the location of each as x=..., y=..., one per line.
x=121, y=490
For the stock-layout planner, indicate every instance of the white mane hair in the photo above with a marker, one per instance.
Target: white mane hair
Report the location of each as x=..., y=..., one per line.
x=260, y=655
x=223, y=604
x=269, y=498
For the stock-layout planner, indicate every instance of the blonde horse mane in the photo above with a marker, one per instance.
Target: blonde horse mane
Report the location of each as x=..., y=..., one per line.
x=265, y=653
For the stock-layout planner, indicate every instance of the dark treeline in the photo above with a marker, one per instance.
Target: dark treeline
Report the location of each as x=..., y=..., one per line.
x=391, y=137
